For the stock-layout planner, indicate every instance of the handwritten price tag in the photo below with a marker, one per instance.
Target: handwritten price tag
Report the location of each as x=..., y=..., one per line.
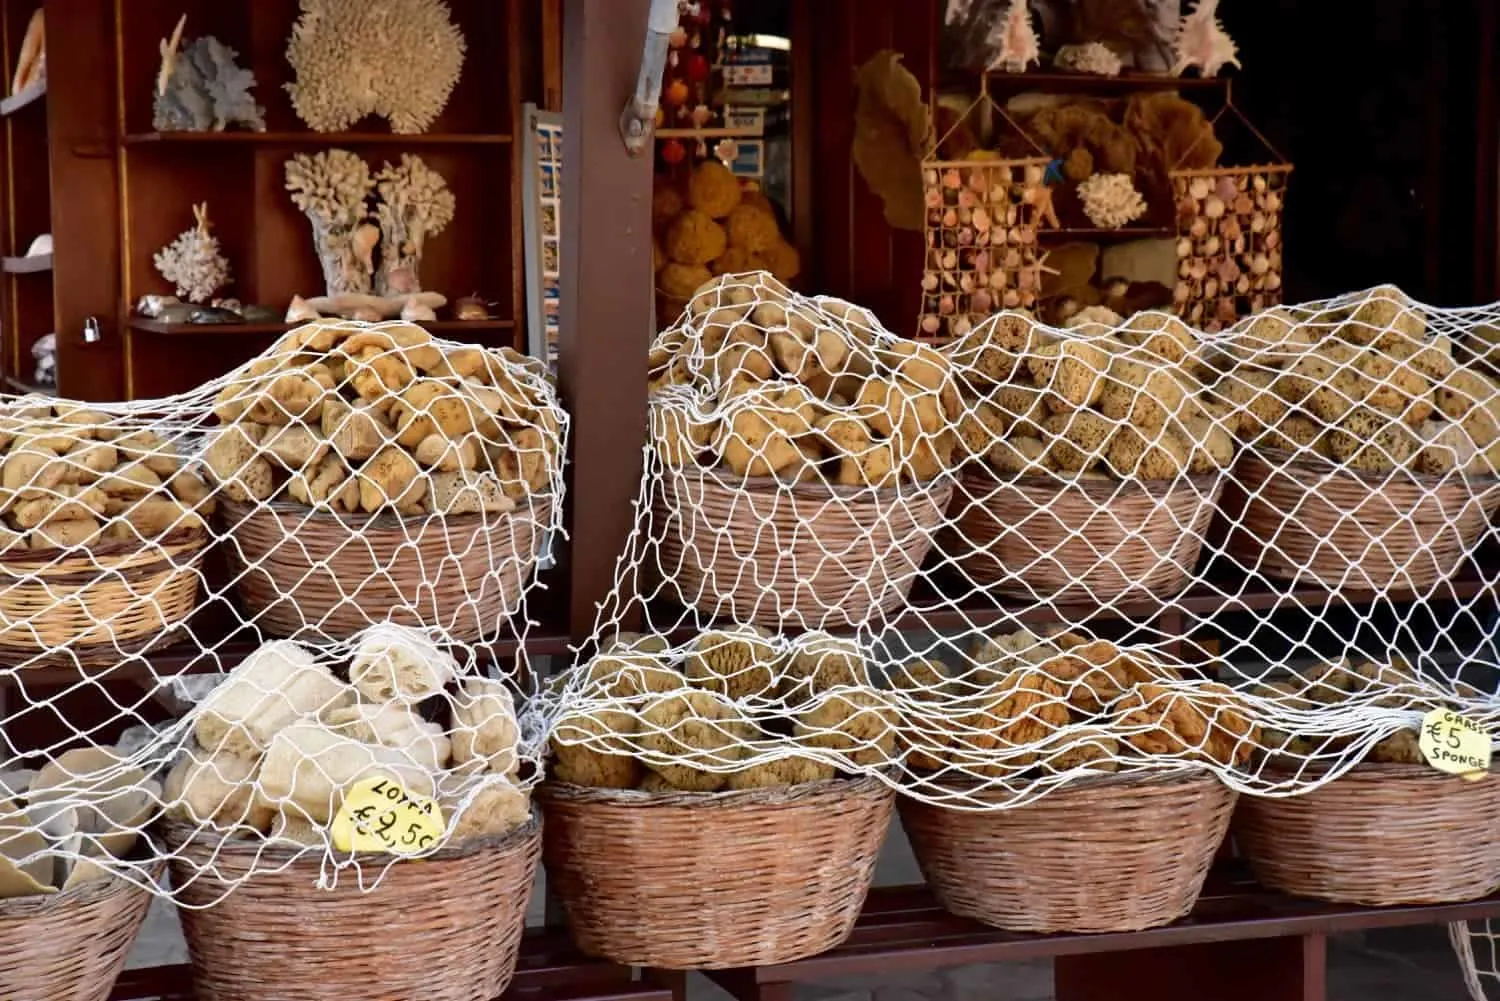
x=1454, y=745
x=379, y=815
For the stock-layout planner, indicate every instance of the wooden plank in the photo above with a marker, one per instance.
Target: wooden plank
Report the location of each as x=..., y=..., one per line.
x=1278, y=969
x=606, y=291
x=911, y=937
x=81, y=115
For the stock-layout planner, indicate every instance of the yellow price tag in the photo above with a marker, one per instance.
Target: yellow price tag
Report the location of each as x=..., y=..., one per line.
x=1454, y=745
x=380, y=815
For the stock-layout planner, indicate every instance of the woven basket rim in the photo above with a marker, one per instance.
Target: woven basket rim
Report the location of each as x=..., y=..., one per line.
x=1105, y=489
x=34, y=905
x=1315, y=467
x=1384, y=770
x=281, y=509
x=1024, y=161
x=179, y=539
x=1264, y=168
x=726, y=480
x=733, y=799
x=1183, y=775
x=180, y=834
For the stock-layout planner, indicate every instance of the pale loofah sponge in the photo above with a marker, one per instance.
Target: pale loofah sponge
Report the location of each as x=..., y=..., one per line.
x=399, y=59
x=1110, y=200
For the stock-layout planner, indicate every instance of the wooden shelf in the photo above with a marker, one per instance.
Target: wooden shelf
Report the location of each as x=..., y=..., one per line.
x=150, y=326
x=26, y=265
x=316, y=139
x=14, y=385
x=22, y=98
x=1059, y=80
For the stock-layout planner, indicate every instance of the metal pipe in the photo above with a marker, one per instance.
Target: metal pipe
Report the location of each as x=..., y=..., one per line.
x=638, y=120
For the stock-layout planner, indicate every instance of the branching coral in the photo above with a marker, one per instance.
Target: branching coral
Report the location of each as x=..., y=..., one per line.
x=1110, y=200
x=193, y=261
x=414, y=204
x=331, y=188
x=399, y=59
x=202, y=89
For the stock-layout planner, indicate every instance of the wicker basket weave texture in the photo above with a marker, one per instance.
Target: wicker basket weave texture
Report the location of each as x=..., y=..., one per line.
x=814, y=556
x=69, y=946
x=300, y=571
x=447, y=928
x=99, y=605
x=1094, y=540
x=1380, y=835
x=714, y=880
x=1307, y=520
x=1102, y=855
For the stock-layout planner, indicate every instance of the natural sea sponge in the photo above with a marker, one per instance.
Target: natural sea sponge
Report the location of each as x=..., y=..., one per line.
x=1132, y=456
x=694, y=238
x=700, y=725
x=667, y=204
x=734, y=663
x=779, y=772
x=713, y=190
x=861, y=725
x=1373, y=442
x=819, y=662
x=751, y=228
x=576, y=758
x=1072, y=371
x=781, y=259
x=1076, y=441
x=1162, y=335
x=680, y=281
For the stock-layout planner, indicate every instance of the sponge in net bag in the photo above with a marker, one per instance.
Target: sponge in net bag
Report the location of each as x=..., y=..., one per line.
x=394, y=725
x=398, y=662
x=478, y=806
x=310, y=767
x=484, y=726
x=277, y=685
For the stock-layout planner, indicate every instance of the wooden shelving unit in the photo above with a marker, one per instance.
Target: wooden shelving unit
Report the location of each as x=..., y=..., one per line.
x=159, y=176
x=26, y=312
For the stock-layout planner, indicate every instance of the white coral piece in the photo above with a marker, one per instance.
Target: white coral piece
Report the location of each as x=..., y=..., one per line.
x=1015, y=40
x=193, y=261
x=1203, y=42
x=330, y=187
x=399, y=59
x=1090, y=57
x=415, y=203
x=1110, y=200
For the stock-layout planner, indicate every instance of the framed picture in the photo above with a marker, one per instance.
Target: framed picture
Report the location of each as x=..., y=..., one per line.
x=541, y=185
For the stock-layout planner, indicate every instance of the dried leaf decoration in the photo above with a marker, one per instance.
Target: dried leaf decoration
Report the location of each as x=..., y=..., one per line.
x=892, y=132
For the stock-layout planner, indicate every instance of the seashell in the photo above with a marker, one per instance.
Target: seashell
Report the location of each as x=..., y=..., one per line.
x=981, y=220
x=1226, y=189
x=1211, y=246
x=1181, y=292
x=962, y=326
x=1199, y=187
x=1011, y=299
x=930, y=178
x=1244, y=205
x=1199, y=228
x=933, y=198
x=929, y=282
x=966, y=238
x=415, y=312
x=982, y=302
x=966, y=200
x=1184, y=247
x=952, y=179
x=950, y=218
x=931, y=324
x=298, y=311
x=365, y=314
x=946, y=305
x=1213, y=207
x=1258, y=183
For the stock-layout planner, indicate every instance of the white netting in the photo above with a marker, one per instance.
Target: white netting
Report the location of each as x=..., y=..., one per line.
x=300, y=576
x=985, y=568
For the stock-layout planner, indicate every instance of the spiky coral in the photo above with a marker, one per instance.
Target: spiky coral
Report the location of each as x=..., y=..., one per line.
x=1203, y=42
x=1016, y=42
x=399, y=59
x=1111, y=200
x=331, y=189
x=193, y=262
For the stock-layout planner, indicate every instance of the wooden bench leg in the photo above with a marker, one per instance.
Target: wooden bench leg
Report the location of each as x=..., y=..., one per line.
x=672, y=980
x=1269, y=969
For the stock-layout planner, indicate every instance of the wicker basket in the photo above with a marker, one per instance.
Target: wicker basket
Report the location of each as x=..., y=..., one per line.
x=1307, y=520
x=1113, y=854
x=300, y=571
x=447, y=928
x=1380, y=835
x=99, y=606
x=1089, y=540
x=811, y=556
x=714, y=880
x=69, y=946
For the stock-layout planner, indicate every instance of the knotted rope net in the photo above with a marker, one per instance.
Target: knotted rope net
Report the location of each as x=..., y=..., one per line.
x=222, y=611
x=988, y=567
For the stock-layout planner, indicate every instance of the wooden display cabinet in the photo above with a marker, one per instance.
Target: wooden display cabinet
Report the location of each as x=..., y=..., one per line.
x=148, y=181
x=25, y=282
